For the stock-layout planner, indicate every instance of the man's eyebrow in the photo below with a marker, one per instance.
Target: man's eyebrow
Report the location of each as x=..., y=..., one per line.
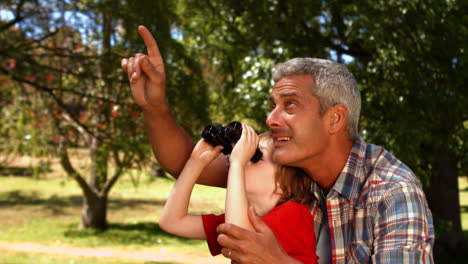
x=290, y=94
x=283, y=95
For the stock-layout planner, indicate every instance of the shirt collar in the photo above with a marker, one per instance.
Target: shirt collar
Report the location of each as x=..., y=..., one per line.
x=352, y=177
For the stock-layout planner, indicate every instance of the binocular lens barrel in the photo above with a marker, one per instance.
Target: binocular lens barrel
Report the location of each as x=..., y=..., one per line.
x=225, y=136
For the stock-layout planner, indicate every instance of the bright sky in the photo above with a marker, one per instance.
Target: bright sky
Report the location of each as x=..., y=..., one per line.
x=6, y=15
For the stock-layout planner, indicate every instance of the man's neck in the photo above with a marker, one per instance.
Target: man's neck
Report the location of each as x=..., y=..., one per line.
x=325, y=169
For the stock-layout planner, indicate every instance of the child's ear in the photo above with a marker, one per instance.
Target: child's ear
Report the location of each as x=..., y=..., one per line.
x=278, y=189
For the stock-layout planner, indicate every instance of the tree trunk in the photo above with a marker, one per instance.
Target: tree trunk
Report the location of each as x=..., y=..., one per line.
x=99, y=157
x=444, y=199
x=94, y=212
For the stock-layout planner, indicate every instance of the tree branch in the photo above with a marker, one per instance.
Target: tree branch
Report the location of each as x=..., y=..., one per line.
x=77, y=126
x=56, y=99
x=10, y=23
x=18, y=17
x=70, y=170
x=118, y=172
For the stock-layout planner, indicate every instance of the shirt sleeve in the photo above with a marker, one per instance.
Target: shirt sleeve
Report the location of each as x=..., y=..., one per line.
x=210, y=223
x=403, y=229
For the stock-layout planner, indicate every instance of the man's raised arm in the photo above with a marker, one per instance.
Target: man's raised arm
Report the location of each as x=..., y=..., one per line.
x=171, y=144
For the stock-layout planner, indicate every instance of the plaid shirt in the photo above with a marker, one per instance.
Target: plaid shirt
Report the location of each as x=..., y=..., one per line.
x=377, y=211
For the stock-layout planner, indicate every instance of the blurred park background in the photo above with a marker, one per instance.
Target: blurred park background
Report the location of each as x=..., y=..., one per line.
x=76, y=169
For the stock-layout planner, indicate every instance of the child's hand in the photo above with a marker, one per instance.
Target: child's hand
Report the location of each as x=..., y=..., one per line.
x=204, y=152
x=246, y=146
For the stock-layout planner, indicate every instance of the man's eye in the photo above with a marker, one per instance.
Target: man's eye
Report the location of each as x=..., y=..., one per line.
x=290, y=103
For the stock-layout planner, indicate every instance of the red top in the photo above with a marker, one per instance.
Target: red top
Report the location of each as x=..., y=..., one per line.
x=291, y=223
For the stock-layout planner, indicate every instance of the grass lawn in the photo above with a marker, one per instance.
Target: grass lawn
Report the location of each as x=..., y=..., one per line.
x=20, y=257
x=48, y=211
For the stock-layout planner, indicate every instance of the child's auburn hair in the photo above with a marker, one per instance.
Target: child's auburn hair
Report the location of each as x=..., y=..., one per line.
x=295, y=183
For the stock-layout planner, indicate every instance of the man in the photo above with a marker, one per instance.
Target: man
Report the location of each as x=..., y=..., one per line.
x=370, y=207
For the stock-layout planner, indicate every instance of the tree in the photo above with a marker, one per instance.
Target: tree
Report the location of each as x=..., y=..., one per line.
x=65, y=86
x=68, y=77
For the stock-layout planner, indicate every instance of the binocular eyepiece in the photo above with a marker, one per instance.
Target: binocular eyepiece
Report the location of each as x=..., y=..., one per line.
x=225, y=136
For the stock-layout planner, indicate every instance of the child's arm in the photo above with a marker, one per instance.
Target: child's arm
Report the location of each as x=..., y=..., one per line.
x=236, y=199
x=175, y=218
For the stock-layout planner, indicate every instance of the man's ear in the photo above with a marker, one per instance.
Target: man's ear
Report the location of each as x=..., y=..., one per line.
x=337, y=118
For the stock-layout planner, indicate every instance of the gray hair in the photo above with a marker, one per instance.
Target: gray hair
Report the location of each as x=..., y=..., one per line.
x=334, y=84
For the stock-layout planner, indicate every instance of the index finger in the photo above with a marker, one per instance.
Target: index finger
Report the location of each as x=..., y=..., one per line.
x=150, y=43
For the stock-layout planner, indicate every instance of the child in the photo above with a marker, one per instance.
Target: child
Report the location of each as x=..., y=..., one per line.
x=273, y=190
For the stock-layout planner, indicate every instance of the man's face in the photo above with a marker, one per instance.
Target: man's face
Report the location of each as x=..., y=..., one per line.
x=298, y=130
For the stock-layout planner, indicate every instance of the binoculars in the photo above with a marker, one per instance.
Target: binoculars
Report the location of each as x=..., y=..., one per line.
x=225, y=136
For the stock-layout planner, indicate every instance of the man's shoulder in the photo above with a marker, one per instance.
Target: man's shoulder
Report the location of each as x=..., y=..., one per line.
x=385, y=176
x=381, y=165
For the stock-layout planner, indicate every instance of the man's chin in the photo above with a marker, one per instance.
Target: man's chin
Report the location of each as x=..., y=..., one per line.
x=281, y=157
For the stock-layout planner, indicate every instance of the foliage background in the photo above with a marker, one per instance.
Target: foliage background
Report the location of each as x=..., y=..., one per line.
x=61, y=84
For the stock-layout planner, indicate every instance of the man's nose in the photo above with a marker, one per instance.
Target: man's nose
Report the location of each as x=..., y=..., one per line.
x=273, y=119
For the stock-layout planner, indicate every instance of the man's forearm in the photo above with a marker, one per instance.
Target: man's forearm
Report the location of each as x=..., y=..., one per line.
x=170, y=143
x=172, y=147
